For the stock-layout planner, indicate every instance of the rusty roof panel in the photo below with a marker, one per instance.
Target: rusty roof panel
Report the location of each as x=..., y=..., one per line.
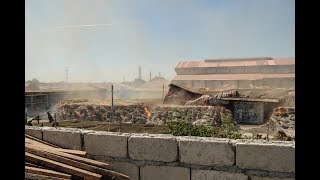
x=235, y=63
x=232, y=76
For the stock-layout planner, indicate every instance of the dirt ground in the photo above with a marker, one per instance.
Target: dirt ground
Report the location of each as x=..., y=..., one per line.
x=139, y=128
x=104, y=126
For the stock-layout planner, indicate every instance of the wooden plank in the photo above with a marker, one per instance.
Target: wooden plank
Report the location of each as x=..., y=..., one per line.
x=60, y=166
x=38, y=151
x=46, y=172
x=74, y=163
x=32, y=165
x=31, y=176
x=41, y=141
x=69, y=151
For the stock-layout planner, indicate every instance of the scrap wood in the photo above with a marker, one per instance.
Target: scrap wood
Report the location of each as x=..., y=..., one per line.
x=41, y=141
x=69, y=151
x=33, y=165
x=31, y=176
x=74, y=163
x=60, y=166
x=46, y=172
x=31, y=148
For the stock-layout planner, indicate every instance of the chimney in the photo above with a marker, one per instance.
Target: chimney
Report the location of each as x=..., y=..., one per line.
x=139, y=72
x=150, y=75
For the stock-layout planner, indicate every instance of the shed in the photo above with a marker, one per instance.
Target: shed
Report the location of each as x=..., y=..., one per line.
x=250, y=110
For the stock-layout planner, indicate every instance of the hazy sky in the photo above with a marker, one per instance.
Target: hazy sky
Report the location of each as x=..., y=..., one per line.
x=155, y=34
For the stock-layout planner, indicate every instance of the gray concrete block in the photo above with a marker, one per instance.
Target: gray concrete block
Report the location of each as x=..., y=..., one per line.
x=106, y=144
x=206, y=151
x=150, y=172
x=33, y=131
x=64, y=137
x=269, y=178
x=266, y=156
x=128, y=169
x=216, y=175
x=153, y=148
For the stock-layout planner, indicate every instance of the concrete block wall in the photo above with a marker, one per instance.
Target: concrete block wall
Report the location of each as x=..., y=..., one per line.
x=161, y=156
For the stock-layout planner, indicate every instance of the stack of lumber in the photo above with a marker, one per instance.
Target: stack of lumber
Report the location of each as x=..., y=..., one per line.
x=47, y=161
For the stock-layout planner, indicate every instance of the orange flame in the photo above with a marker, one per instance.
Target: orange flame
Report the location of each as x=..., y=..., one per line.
x=148, y=114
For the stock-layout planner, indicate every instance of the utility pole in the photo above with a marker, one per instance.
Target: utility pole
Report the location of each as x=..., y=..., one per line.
x=162, y=91
x=139, y=72
x=268, y=132
x=112, y=108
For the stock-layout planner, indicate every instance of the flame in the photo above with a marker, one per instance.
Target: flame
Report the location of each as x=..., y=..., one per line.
x=148, y=114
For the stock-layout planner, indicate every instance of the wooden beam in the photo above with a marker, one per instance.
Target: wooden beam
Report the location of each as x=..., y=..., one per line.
x=69, y=151
x=46, y=152
x=46, y=172
x=60, y=166
x=74, y=163
x=31, y=176
x=32, y=165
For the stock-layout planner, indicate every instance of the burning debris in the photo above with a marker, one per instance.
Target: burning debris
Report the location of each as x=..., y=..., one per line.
x=147, y=113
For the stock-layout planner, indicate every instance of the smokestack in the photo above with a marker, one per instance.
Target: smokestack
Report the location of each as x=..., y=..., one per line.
x=139, y=72
x=150, y=75
x=159, y=74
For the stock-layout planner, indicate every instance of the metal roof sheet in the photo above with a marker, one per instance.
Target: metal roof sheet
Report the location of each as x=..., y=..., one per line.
x=232, y=76
x=236, y=63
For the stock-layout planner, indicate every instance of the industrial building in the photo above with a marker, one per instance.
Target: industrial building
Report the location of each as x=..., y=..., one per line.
x=236, y=73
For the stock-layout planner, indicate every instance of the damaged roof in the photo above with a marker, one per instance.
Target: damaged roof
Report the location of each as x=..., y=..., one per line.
x=236, y=62
x=231, y=76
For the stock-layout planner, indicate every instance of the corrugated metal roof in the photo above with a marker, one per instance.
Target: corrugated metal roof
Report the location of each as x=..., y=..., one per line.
x=236, y=63
x=231, y=76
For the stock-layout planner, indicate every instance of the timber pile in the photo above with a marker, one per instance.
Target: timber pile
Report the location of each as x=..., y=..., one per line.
x=47, y=161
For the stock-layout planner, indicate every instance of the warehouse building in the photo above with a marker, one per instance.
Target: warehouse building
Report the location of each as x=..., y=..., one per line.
x=236, y=73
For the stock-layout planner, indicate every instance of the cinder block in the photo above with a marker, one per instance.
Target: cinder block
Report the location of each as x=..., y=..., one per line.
x=64, y=137
x=106, y=144
x=269, y=178
x=153, y=148
x=218, y=175
x=128, y=169
x=33, y=131
x=206, y=151
x=163, y=172
x=266, y=156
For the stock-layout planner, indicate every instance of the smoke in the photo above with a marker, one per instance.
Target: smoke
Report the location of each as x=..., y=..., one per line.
x=86, y=25
x=104, y=40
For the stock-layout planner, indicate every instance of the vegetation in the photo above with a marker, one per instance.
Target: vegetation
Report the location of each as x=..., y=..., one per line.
x=185, y=128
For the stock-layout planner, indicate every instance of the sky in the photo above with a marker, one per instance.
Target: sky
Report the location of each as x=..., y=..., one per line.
x=107, y=40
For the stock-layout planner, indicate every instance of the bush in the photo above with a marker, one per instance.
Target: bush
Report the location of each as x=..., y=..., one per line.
x=186, y=128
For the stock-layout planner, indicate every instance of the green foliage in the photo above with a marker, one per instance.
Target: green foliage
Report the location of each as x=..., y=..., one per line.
x=185, y=128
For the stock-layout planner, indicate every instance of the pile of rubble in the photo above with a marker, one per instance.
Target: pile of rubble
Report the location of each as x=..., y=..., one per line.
x=206, y=100
x=137, y=113
x=283, y=121
x=96, y=112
